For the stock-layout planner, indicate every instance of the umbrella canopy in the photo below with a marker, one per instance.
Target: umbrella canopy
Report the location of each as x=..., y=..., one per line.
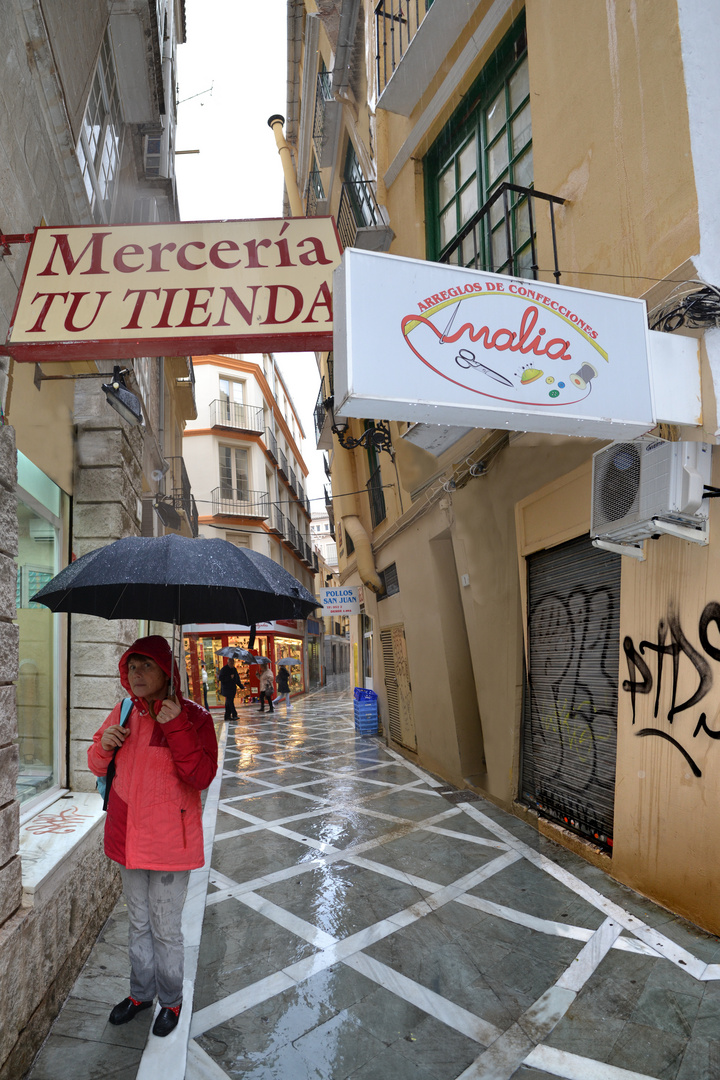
x=259, y=660
x=287, y=660
x=234, y=652
x=176, y=579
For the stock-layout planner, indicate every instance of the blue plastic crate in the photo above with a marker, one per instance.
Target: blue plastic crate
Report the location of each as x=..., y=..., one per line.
x=367, y=727
x=361, y=694
x=365, y=708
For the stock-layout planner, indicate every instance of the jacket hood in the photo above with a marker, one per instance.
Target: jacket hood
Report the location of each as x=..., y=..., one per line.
x=157, y=649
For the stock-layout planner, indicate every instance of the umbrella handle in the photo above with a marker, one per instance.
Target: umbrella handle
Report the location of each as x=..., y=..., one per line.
x=172, y=664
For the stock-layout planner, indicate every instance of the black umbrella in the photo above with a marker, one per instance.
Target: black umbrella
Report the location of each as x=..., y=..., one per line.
x=175, y=579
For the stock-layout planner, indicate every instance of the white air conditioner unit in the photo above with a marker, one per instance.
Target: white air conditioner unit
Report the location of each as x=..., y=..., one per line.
x=647, y=487
x=41, y=530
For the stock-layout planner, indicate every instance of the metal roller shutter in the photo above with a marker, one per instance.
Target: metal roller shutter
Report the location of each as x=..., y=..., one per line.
x=571, y=692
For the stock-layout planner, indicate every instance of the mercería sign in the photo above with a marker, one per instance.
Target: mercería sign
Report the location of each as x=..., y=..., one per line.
x=117, y=291
x=447, y=345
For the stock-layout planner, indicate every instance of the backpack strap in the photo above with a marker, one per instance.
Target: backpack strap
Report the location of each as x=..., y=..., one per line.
x=125, y=711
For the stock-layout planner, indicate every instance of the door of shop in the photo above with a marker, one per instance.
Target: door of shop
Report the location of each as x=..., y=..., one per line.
x=401, y=717
x=571, y=690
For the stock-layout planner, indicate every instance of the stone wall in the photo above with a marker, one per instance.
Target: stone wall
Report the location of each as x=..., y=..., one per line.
x=107, y=487
x=43, y=949
x=10, y=876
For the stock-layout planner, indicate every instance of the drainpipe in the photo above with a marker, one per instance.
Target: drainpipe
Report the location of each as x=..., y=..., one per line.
x=343, y=54
x=296, y=207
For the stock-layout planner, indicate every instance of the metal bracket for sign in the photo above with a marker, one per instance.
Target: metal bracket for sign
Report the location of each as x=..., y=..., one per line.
x=378, y=435
x=12, y=238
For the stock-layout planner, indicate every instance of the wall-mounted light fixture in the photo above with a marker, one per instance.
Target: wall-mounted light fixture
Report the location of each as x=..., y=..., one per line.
x=163, y=506
x=123, y=401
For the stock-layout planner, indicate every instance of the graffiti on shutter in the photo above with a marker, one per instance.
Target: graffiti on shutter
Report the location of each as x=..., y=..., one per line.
x=571, y=692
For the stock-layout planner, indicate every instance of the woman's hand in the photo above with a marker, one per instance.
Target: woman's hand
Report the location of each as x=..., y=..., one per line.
x=113, y=737
x=168, y=710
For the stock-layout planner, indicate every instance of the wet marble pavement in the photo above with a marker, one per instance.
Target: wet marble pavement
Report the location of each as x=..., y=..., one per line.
x=360, y=923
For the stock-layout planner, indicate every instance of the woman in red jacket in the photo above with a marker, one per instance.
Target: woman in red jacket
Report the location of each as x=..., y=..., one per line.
x=165, y=755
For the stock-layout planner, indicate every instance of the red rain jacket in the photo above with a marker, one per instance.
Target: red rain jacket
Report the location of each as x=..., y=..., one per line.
x=154, y=816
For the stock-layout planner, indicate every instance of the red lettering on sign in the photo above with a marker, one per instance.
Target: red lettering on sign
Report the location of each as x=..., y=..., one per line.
x=77, y=298
x=134, y=323
x=272, y=315
x=62, y=244
x=39, y=327
x=237, y=303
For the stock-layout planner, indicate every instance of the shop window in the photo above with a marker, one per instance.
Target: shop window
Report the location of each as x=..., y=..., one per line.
x=292, y=648
x=487, y=142
x=39, y=512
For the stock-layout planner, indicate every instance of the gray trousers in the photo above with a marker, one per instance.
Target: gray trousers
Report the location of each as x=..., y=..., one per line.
x=155, y=901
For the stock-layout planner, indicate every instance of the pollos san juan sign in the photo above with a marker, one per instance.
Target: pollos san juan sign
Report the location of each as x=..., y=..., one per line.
x=441, y=344
x=93, y=292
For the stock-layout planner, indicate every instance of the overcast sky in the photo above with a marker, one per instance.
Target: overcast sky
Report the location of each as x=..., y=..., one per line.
x=238, y=47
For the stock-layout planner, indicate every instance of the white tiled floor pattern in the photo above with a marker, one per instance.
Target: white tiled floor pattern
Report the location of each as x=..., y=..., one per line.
x=500, y=1053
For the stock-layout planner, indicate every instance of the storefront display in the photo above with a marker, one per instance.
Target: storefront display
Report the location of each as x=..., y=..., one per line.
x=203, y=648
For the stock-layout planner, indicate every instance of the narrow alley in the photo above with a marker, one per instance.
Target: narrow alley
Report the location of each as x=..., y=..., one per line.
x=361, y=920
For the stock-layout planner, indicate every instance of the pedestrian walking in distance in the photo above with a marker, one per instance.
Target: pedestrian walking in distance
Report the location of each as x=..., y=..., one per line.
x=204, y=677
x=283, y=686
x=229, y=683
x=266, y=688
x=163, y=757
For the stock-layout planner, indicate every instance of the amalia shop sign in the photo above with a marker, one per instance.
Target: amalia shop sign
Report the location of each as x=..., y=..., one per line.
x=95, y=292
x=444, y=345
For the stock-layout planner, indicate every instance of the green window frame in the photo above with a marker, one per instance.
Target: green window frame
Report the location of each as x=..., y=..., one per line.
x=487, y=142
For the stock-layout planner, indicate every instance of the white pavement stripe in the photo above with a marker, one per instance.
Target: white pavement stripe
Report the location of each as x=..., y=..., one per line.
x=453, y=1016
x=590, y=956
x=549, y=926
x=479, y=840
x=661, y=945
x=200, y=1066
x=502, y=1059
x=573, y=1067
x=220, y=1011
x=168, y=1056
x=282, y=917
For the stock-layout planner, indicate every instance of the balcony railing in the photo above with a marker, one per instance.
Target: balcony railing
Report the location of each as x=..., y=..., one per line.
x=326, y=121
x=315, y=563
x=292, y=480
x=396, y=24
x=240, y=502
x=271, y=444
x=503, y=239
x=360, y=223
x=377, y=499
x=322, y=414
x=230, y=414
x=282, y=463
x=300, y=492
x=293, y=536
x=316, y=201
x=278, y=521
x=176, y=484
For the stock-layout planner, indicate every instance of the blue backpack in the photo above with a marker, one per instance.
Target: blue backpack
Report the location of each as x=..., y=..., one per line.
x=103, y=783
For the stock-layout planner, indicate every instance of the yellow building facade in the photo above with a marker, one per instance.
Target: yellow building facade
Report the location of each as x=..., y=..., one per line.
x=576, y=686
